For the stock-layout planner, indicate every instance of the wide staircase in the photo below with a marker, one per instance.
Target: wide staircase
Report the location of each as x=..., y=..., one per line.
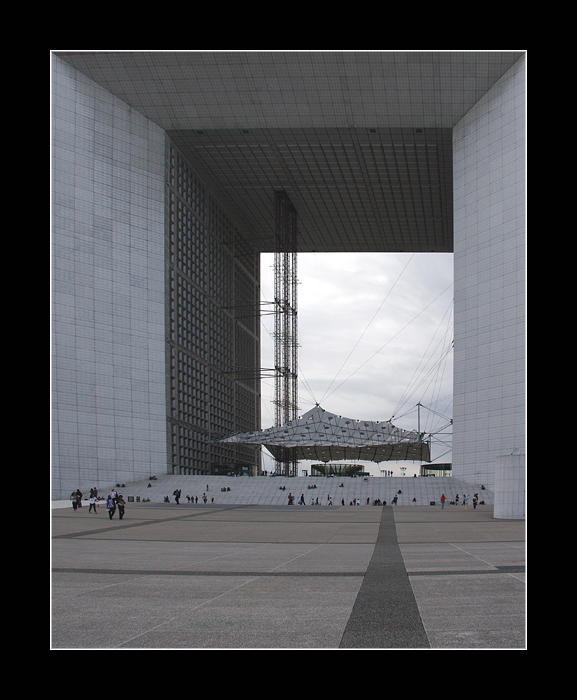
x=274, y=491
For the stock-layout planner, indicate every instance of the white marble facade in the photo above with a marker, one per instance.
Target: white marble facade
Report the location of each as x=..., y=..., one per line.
x=489, y=264
x=108, y=367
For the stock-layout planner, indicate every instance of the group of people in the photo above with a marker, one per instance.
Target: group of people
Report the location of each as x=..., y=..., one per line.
x=115, y=501
x=378, y=502
x=76, y=499
x=302, y=502
x=466, y=500
x=177, y=493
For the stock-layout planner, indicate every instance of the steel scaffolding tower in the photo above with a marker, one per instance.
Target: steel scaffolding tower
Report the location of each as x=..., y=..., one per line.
x=285, y=323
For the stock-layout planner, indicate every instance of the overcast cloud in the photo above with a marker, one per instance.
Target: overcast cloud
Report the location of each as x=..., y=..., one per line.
x=375, y=336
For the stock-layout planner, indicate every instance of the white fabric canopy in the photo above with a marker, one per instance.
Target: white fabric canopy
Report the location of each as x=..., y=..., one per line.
x=326, y=437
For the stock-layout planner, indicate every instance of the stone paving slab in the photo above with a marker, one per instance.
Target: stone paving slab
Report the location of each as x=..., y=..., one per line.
x=467, y=572
x=328, y=578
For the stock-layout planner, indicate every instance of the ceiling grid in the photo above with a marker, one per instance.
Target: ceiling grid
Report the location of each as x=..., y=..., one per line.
x=360, y=141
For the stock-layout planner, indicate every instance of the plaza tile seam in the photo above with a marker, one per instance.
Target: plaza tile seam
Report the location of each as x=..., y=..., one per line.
x=250, y=574
x=163, y=572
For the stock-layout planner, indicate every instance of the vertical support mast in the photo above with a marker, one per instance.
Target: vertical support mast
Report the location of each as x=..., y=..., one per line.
x=286, y=321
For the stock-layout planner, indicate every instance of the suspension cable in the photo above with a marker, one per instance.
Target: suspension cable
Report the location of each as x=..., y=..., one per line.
x=388, y=341
x=366, y=329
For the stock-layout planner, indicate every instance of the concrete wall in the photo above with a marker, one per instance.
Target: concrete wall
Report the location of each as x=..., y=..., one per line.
x=489, y=259
x=108, y=367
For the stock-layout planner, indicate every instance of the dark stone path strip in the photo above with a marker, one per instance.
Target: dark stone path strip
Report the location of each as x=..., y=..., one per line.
x=385, y=614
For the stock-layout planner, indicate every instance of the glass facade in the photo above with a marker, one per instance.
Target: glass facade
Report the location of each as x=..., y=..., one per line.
x=213, y=331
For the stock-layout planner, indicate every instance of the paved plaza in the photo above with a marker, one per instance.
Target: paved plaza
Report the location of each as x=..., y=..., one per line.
x=185, y=576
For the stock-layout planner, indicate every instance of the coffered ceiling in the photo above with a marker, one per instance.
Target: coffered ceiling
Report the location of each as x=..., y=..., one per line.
x=361, y=141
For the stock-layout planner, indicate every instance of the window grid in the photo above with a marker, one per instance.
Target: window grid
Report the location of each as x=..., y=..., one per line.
x=212, y=327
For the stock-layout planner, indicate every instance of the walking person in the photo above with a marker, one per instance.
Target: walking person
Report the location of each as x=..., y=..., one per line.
x=443, y=499
x=111, y=507
x=121, y=503
x=74, y=500
x=92, y=506
x=466, y=502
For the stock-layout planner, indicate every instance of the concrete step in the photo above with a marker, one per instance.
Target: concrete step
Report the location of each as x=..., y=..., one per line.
x=266, y=490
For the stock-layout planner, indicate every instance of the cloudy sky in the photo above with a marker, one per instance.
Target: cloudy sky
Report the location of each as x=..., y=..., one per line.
x=375, y=336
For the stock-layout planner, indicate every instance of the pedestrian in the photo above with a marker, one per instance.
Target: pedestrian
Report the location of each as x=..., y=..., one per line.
x=303, y=499
x=121, y=503
x=111, y=507
x=475, y=499
x=290, y=499
x=443, y=499
x=466, y=502
x=79, y=498
x=92, y=506
x=74, y=500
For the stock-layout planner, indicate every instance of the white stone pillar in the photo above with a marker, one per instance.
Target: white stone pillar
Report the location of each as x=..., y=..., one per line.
x=510, y=487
